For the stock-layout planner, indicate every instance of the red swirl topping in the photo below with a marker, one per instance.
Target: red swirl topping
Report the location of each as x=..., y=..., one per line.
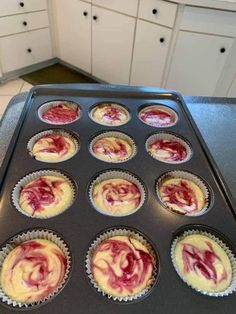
x=60, y=114
x=134, y=265
x=56, y=144
x=175, y=150
x=111, y=149
x=202, y=262
x=157, y=117
x=40, y=193
x=113, y=114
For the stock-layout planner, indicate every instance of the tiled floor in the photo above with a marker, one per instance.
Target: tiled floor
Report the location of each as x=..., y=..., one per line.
x=10, y=89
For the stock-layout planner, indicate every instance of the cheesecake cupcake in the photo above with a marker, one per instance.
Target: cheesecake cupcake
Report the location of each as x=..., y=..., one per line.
x=183, y=193
x=34, y=267
x=168, y=148
x=116, y=193
x=53, y=146
x=59, y=112
x=113, y=147
x=122, y=265
x=158, y=116
x=43, y=194
x=204, y=262
x=110, y=114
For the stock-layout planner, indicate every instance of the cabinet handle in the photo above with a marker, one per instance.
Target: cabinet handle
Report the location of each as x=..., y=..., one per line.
x=22, y=4
x=24, y=23
x=162, y=39
x=85, y=13
x=222, y=50
x=154, y=11
x=29, y=50
x=95, y=17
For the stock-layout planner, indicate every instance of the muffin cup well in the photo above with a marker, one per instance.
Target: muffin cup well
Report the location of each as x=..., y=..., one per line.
x=48, y=105
x=191, y=177
x=30, y=235
x=117, y=174
x=118, y=135
x=161, y=107
x=15, y=195
x=172, y=137
x=61, y=132
x=122, y=232
x=221, y=243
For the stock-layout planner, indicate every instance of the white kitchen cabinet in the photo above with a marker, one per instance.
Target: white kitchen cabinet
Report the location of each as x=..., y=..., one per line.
x=130, y=7
x=9, y=7
x=232, y=90
x=150, y=52
x=112, y=43
x=197, y=63
x=74, y=33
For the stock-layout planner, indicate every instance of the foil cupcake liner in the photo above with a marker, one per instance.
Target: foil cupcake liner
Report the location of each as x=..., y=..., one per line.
x=31, y=235
x=161, y=107
x=122, y=232
x=15, y=195
x=48, y=105
x=172, y=137
x=117, y=174
x=35, y=138
x=187, y=176
x=221, y=243
x=115, y=105
x=118, y=135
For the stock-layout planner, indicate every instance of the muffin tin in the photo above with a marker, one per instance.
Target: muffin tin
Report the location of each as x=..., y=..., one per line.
x=80, y=224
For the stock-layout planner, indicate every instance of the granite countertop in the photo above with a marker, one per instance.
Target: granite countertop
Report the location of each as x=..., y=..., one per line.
x=214, y=4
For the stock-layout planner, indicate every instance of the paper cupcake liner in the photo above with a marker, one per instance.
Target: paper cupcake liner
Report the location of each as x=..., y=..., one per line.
x=30, y=235
x=161, y=107
x=121, y=232
x=38, y=136
x=188, y=176
x=221, y=243
x=48, y=105
x=15, y=195
x=117, y=174
x=118, y=135
x=172, y=137
x=115, y=105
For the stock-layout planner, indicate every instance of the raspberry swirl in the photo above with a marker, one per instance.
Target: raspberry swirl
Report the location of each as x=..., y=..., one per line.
x=116, y=196
x=63, y=113
x=112, y=149
x=122, y=266
x=33, y=270
x=157, y=117
x=110, y=114
x=168, y=150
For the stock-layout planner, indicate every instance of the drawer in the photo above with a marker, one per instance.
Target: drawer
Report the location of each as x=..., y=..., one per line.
x=209, y=21
x=23, y=22
x=130, y=7
x=157, y=11
x=21, y=50
x=9, y=7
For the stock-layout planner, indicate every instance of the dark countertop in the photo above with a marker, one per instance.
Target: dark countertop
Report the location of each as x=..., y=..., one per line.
x=215, y=118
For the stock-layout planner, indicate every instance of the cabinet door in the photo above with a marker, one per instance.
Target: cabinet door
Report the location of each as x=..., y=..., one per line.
x=130, y=7
x=112, y=44
x=74, y=33
x=8, y=7
x=232, y=90
x=150, y=52
x=197, y=63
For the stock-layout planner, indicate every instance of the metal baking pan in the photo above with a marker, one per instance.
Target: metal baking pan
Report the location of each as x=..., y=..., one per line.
x=81, y=222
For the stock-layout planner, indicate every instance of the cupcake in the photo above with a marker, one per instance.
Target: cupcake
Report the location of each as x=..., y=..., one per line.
x=33, y=271
x=59, y=112
x=122, y=265
x=110, y=114
x=158, y=116
x=169, y=148
x=52, y=146
x=43, y=196
x=204, y=262
x=113, y=147
x=184, y=194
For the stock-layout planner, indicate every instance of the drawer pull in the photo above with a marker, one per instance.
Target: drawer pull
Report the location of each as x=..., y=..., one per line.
x=95, y=17
x=222, y=50
x=85, y=13
x=162, y=39
x=22, y=4
x=29, y=50
x=24, y=23
x=154, y=11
